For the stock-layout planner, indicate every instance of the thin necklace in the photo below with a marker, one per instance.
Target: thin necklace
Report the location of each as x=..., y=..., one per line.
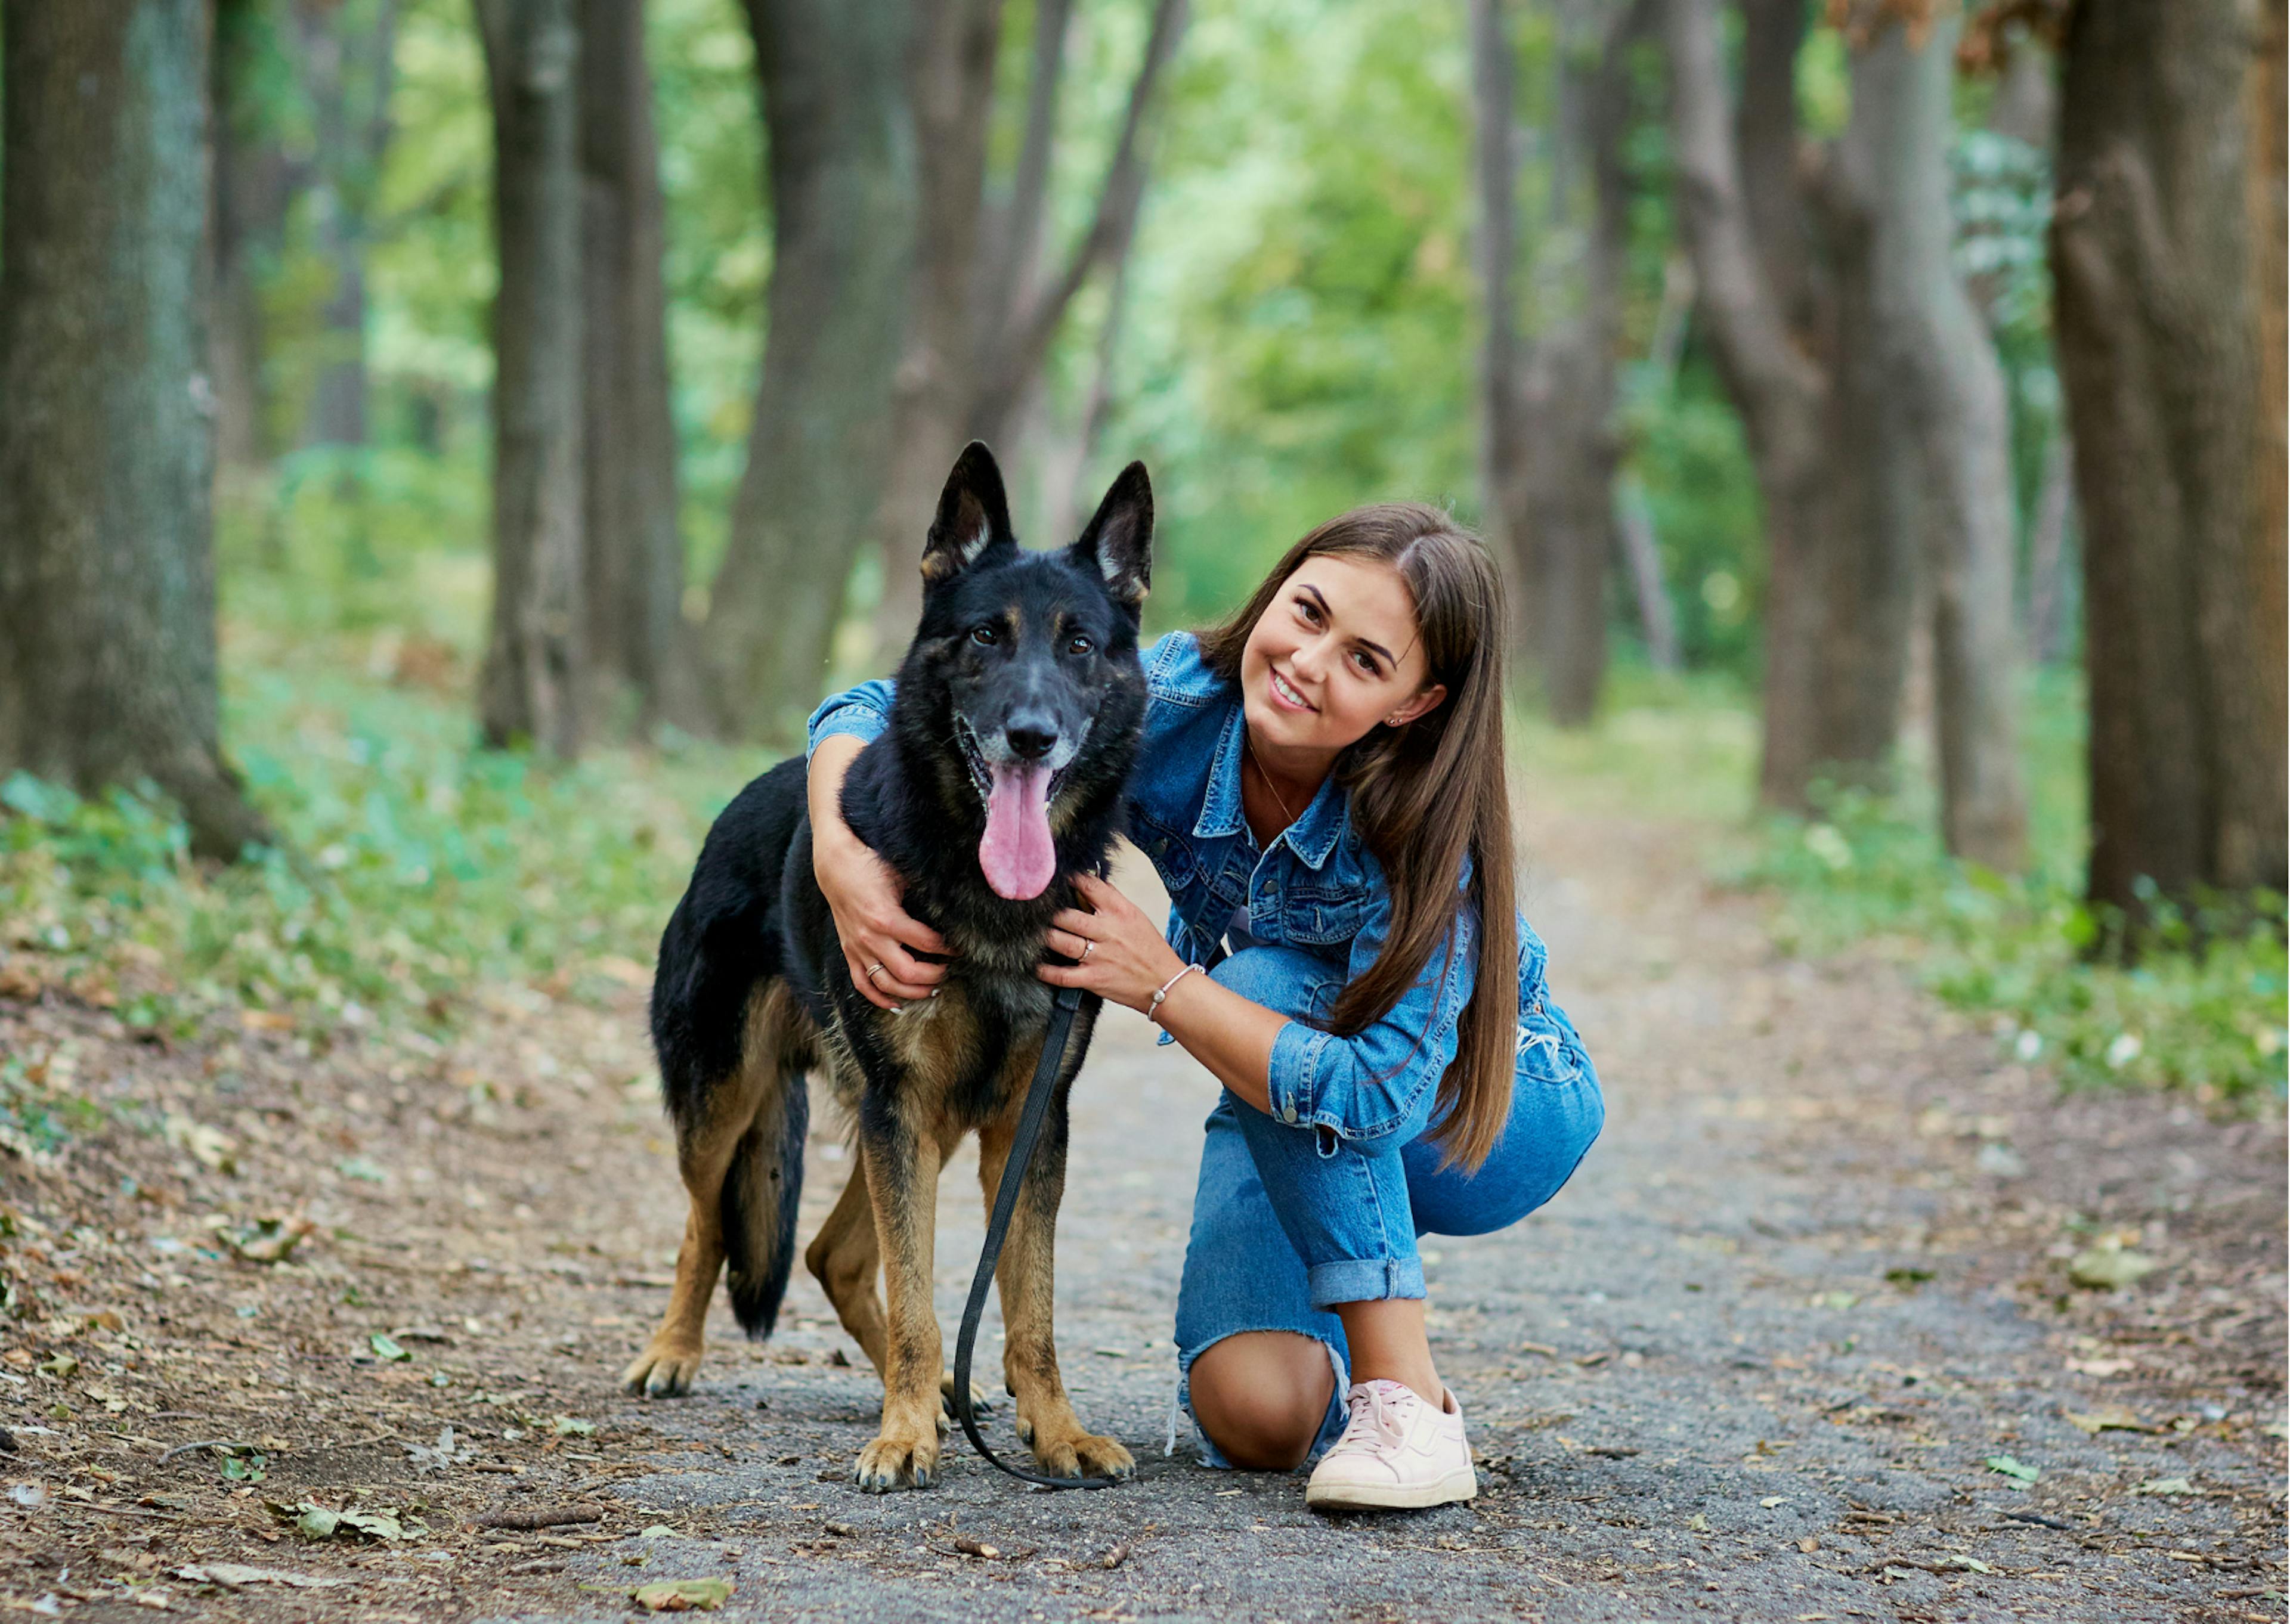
x=1270, y=789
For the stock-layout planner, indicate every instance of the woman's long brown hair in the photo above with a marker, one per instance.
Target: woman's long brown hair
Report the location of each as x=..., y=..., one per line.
x=1426, y=794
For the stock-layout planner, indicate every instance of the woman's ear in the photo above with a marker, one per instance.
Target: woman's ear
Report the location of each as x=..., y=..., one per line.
x=1427, y=699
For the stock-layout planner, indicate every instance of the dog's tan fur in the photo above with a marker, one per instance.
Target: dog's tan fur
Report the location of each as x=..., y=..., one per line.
x=884, y=1221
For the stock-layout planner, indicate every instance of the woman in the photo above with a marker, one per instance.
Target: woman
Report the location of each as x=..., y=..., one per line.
x=1321, y=786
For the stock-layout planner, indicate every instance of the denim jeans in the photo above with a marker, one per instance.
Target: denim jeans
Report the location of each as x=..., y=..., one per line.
x=1290, y=1219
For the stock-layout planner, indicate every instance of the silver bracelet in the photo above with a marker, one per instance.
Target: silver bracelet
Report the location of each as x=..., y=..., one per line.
x=1163, y=991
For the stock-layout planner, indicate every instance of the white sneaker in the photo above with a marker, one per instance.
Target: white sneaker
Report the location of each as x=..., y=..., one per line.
x=1396, y=1453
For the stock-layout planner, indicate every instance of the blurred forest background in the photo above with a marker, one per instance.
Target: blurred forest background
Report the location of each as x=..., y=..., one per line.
x=445, y=445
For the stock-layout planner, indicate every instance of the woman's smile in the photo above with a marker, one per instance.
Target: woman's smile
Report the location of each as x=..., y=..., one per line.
x=1285, y=693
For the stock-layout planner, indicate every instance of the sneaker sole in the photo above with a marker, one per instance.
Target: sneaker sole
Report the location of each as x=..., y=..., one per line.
x=1397, y=1497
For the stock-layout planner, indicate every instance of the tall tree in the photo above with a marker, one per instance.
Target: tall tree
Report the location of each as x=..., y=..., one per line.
x=983, y=309
x=108, y=666
x=2166, y=254
x=346, y=54
x=534, y=668
x=1548, y=448
x=1947, y=390
x=844, y=195
x=634, y=578
x=841, y=169
x=1779, y=232
x=254, y=184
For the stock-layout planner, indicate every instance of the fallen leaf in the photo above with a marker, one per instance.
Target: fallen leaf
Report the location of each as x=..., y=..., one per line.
x=682, y=1595
x=2019, y=1472
x=1771, y=1500
x=1808, y=1545
x=385, y=1347
x=2108, y=1268
x=2166, y=1485
x=2107, y=1417
x=233, y=1574
x=1970, y=1564
x=1698, y=1523
x=565, y=1426
x=60, y=1366
x=1907, y=1279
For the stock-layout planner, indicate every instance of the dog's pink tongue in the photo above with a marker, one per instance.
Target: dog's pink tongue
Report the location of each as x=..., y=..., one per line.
x=1018, y=855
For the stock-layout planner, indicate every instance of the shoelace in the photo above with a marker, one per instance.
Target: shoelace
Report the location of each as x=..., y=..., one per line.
x=1380, y=1413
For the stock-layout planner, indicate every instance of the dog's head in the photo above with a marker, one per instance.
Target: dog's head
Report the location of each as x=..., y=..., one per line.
x=1035, y=655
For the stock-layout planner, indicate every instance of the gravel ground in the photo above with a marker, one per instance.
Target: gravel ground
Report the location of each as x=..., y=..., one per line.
x=1752, y=1363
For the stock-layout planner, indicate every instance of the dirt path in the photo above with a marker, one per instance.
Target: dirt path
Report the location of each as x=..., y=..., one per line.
x=1752, y=1363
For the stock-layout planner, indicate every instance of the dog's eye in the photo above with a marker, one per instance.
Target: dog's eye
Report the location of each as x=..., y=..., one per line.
x=1079, y=644
x=986, y=635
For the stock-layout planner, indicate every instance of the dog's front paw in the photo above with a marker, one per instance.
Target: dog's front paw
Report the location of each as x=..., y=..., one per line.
x=1082, y=1454
x=891, y=1463
x=664, y=1370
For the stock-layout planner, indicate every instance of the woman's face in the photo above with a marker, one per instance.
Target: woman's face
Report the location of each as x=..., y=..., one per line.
x=1336, y=652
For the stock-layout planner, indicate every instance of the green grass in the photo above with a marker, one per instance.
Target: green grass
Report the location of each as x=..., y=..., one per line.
x=419, y=865
x=2203, y=1009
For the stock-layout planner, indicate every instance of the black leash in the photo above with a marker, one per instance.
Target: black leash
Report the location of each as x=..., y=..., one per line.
x=1062, y=1009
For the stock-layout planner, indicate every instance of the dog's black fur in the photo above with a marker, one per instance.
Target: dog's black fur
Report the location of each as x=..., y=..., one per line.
x=1019, y=656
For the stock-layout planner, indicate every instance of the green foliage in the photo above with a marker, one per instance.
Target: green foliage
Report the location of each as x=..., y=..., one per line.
x=2201, y=1008
x=1300, y=304
x=422, y=865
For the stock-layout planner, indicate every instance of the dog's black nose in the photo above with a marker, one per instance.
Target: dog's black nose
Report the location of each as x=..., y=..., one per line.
x=1030, y=740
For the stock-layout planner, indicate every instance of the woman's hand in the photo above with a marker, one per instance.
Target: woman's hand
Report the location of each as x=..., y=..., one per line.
x=1123, y=957
x=863, y=894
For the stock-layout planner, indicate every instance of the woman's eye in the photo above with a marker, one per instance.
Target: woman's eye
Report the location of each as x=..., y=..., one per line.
x=985, y=635
x=1366, y=663
x=1079, y=645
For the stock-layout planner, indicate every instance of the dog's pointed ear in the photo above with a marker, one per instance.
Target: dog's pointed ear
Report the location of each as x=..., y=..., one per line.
x=1119, y=541
x=973, y=520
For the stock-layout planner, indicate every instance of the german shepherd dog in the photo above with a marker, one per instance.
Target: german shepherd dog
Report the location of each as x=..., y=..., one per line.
x=1014, y=724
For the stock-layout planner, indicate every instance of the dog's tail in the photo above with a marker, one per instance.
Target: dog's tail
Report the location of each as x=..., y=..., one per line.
x=761, y=1192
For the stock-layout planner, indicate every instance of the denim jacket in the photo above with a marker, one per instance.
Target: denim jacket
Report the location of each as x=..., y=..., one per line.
x=1317, y=890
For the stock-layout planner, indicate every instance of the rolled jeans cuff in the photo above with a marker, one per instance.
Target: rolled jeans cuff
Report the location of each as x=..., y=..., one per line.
x=1364, y=1280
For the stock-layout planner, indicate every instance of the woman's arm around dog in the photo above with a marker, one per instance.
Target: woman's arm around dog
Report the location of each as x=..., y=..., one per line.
x=863, y=894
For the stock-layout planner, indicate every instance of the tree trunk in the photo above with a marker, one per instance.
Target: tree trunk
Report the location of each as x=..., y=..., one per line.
x=1642, y=555
x=253, y=184
x=534, y=666
x=1548, y=447
x=108, y=665
x=1502, y=471
x=1013, y=311
x=2166, y=261
x=347, y=57
x=1866, y=554
x=951, y=76
x=842, y=177
x=1783, y=394
x=2050, y=610
x=634, y=579
x=1948, y=390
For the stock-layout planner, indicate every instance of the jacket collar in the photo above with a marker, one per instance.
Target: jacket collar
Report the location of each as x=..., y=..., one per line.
x=1316, y=831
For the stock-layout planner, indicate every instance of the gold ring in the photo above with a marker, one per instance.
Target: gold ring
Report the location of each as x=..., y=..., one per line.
x=874, y=969
x=1087, y=947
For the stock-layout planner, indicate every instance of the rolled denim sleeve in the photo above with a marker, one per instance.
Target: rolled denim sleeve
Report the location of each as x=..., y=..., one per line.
x=1384, y=1078
x=862, y=713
